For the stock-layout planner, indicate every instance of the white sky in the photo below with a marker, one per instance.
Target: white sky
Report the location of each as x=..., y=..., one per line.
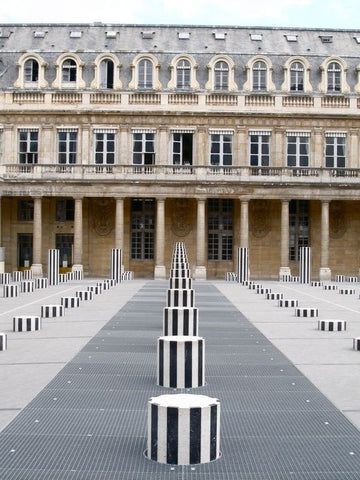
x=301, y=13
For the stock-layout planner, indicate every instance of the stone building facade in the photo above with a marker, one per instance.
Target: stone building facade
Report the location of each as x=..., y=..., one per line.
x=137, y=136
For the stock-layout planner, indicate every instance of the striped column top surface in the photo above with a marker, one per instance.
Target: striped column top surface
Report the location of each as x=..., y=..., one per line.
x=181, y=338
x=184, y=400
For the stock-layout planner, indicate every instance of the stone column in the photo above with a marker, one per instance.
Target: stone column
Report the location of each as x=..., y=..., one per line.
x=325, y=272
x=36, y=266
x=202, y=147
x=119, y=227
x=2, y=249
x=241, y=157
x=200, y=269
x=124, y=157
x=160, y=270
x=284, y=242
x=78, y=235
x=244, y=223
x=277, y=148
x=163, y=146
x=317, y=154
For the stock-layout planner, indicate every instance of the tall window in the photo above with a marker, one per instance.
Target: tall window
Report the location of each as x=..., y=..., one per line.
x=259, y=149
x=104, y=148
x=334, y=78
x=107, y=74
x=297, y=77
x=65, y=208
x=335, y=154
x=221, y=149
x=25, y=210
x=28, y=146
x=142, y=229
x=143, y=148
x=69, y=71
x=24, y=249
x=1, y=145
x=259, y=76
x=64, y=243
x=145, y=72
x=221, y=70
x=31, y=71
x=298, y=150
x=67, y=146
x=298, y=227
x=183, y=74
x=220, y=229
x=182, y=148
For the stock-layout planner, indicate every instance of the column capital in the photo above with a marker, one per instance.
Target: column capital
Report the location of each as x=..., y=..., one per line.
x=78, y=197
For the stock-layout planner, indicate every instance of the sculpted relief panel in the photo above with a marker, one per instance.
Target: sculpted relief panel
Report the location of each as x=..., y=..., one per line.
x=102, y=215
x=182, y=220
x=260, y=218
x=338, y=221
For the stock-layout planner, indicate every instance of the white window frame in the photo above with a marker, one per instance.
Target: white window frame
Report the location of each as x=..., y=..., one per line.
x=333, y=74
x=286, y=86
x=68, y=142
x=259, y=76
x=249, y=84
x=28, y=141
x=59, y=82
x=134, y=83
x=173, y=83
x=105, y=153
x=261, y=142
x=183, y=74
x=221, y=76
x=339, y=140
x=324, y=83
x=96, y=83
x=210, y=84
x=21, y=82
x=144, y=144
x=221, y=142
x=180, y=153
x=299, y=136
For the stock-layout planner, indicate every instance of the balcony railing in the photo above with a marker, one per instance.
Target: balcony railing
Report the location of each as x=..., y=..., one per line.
x=188, y=173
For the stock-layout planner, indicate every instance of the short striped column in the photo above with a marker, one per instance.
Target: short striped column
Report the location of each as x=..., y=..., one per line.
x=41, y=282
x=340, y=278
x=29, y=323
x=247, y=283
x=96, y=289
x=330, y=287
x=306, y=312
x=70, y=302
x=53, y=266
x=242, y=264
x=230, y=277
x=128, y=275
x=27, y=275
x=316, y=284
x=274, y=296
x=288, y=302
x=5, y=278
x=295, y=279
x=63, y=277
x=10, y=291
x=181, y=283
x=3, y=342
x=254, y=286
x=356, y=343
x=347, y=291
x=52, y=311
x=183, y=429
x=110, y=282
x=180, y=321
x=180, y=298
x=285, y=278
x=77, y=275
x=352, y=279
x=180, y=272
x=181, y=362
x=27, y=286
x=84, y=295
x=332, y=325
x=116, y=262
x=16, y=276
x=305, y=264
x=263, y=290
x=104, y=285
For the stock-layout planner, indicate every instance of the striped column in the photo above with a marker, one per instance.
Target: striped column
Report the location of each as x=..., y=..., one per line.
x=305, y=264
x=332, y=325
x=3, y=341
x=116, y=260
x=5, y=278
x=180, y=298
x=182, y=283
x=53, y=266
x=10, y=291
x=27, y=286
x=17, y=276
x=41, y=282
x=84, y=295
x=243, y=264
x=52, y=311
x=180, y=321
x=183, y=429
x=26, y=323
x=181, y=362
x=70, y=302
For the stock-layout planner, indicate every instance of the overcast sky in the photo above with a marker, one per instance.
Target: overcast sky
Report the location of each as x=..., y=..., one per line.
x=296, y=13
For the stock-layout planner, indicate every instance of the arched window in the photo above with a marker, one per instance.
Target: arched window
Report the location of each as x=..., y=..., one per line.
x=221, y=77
x=297, y=77
x=259, y=76
x=69, y=71
x=145, y=74
x=31, y=71
x=334, y=77
x=183, y=74
x=107, y=74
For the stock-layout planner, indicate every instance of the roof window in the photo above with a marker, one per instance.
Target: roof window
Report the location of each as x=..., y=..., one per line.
x=326, y=38
x=219, y=35
x=184, y=35
x=74, y=34
x=111, y=34
x=256, y=37
x=291, y=37
x=147, y=35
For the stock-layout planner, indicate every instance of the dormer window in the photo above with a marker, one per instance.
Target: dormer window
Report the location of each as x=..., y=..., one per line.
x=145, y=74
x=107, y=74
x=183, y=74
x=297, y=77
x=259, y=76
x=31, y=71
x=69, y=71
x=221, y=70
x=334, y=78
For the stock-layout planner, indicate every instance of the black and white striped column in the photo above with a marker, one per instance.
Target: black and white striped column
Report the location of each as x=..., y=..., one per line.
x=17, y=276
x=70, y=302
x=27, y=286
x=181, y=362
x=116, y=261
x=243, y=264
x=3, y=341
x=180, y=321
x=53, y=266
x=288, y=302
x=52, y=311
x=306, y=312
x=180, y=272
x=96, y=289
x=77, y=274
x=84, y=295
x=5, y=278
x=25, y=323
x=332, y=325
x=63, y=277
x=183, y=429
x=180, y=298
x=181, y=283
x=10, y=291
x=27, y=274
x=356, y=343
x=41, y=282
x=305, y=264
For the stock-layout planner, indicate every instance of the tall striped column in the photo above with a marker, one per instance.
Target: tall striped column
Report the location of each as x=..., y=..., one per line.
x=243, y=264
x=183, y=429
x=181, y=362
x=53, y=266
x=305, y=264
x=116, y=261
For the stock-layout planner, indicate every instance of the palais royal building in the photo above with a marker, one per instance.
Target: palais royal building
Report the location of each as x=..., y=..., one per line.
x=138, y=136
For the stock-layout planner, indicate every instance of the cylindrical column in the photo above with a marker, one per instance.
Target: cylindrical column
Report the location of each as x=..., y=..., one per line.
x=119, y=223
x=284, y=240
x=244, y=223
x=325, y=272
x=160, y=239
x=78, y=232
x=37, y=234
x=183, y=429
x=200, y=271
x=2, y=249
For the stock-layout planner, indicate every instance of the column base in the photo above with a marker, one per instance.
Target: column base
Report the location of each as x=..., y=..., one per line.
x=160, y=272
x=284, y=271
x=37, y=269
x=2, y=267
x=325, y=274
x=200, y=273
x=77, y=268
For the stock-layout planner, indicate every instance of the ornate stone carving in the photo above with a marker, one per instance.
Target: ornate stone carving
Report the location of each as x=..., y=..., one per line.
x=102, y=216
x=338, y=222
x=181, y=217
x=260, y=218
